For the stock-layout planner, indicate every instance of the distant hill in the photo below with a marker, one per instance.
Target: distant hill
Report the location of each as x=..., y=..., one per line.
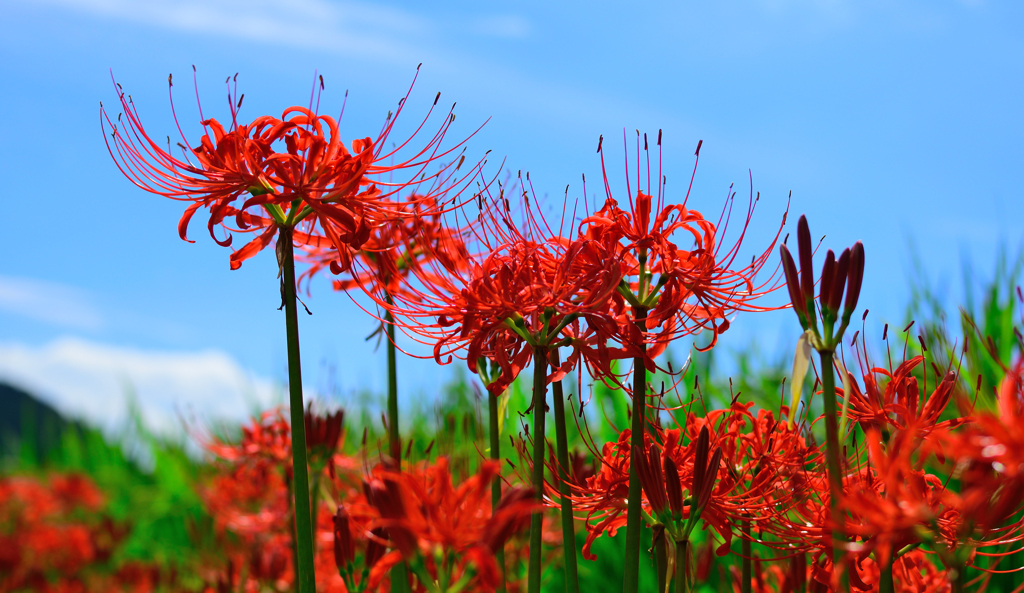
x=24, y=418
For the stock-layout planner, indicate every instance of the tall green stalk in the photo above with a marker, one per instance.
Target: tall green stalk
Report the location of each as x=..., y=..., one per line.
x=400, y=572
x=294, y=544
x=682, y=567
x=540, y=371
x=303, y=524
x=885, y=580
x=394, y=438
x=562, y=452
x=746, y=552
x=495, y=434
x=959, y=584
x=661, y=559
x=835, y=477
x=634, y=521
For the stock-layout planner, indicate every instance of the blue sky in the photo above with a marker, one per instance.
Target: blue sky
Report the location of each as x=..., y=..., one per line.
x=891, y=122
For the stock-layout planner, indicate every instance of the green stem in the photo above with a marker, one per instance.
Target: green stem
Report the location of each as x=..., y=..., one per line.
x=537, y=519
x=492, y=412
x=682, y=567
x=747, y=560
x=634, y=522
x=304, y=529
x=568, y=530
x=394, y=439
x=661, y=558
x=832, y=451
x=291, y=511
x=314, y=495
x=885, y=580
x=400, y=572
x=960, y=579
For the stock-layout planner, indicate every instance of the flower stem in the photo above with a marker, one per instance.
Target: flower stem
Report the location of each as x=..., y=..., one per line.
x=885, y=581
x=747, y=559
x=492, y=412
x=394, y=438
x=540, y=372
x=303, y=526
x=682, y=566
x=634, y=522
x=959, y=575
x=832, y=451
x=661, y=557
x=291, y=513
x=568, y=531
x=400, y=572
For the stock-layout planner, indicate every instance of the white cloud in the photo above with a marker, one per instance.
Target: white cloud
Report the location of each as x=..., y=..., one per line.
x=353, y=28
x=93, y=382
x=57, y=304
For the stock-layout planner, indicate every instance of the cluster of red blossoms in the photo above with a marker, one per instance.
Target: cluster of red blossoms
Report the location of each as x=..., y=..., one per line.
x=905, y=494
x=290, y=172
x=518, y=285
x=56, y=537
x=367, y=519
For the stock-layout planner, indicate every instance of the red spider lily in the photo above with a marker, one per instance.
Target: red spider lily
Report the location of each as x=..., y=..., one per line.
x=528, y=289
x=250, y=496
x=268, y=436
x=54, y=535
x=441, y=528
x=985, y=512
x=912, y=572
x=891, y=502
x=399, y=248
x=603, y=496
x=293, y=171
x=760, y=468
x=898, y=404
x=697, y=288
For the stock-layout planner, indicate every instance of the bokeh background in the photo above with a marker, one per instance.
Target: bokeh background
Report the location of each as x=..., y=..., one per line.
x=898, y=123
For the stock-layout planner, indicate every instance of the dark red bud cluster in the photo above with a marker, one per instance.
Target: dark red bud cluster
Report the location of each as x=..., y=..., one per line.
x=704, y=472
x=845, y=273
x=323, y=431
x=659, y=477
x=344, y=547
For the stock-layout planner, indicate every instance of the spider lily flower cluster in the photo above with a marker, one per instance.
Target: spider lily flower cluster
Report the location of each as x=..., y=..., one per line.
x=484, y=275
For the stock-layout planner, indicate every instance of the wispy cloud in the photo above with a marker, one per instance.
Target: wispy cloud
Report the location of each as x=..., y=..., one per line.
x=50, y=302
x=353, y=28
x=96, y=382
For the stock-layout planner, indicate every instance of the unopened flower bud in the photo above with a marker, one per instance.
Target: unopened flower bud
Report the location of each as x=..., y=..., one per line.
x=344, y=551
x=803, y=237
x=673, y=487
x=793, y=284
x=828, y=272
x=700, y=462
x=854, y=278
x=835, y=298
x=375, y=547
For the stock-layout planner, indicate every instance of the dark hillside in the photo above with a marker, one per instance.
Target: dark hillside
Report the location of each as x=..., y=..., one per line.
x=24, y=418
